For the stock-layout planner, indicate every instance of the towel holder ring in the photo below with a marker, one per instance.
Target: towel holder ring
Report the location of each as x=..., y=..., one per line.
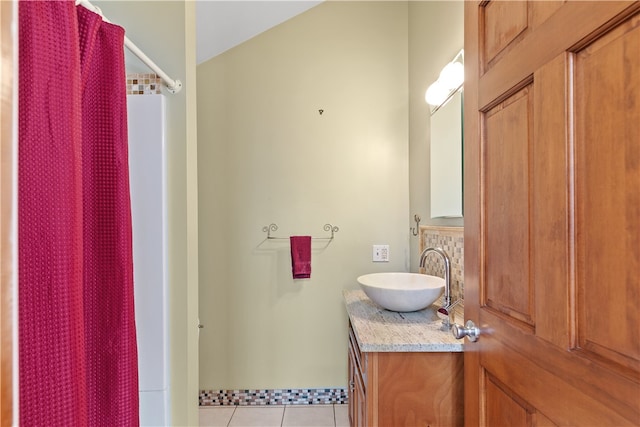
x=274, y=227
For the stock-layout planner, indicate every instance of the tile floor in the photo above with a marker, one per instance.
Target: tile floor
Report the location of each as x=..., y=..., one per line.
x=275, y=416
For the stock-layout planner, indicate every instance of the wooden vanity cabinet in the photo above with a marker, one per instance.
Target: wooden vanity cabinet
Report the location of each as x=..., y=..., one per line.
x=402, y=389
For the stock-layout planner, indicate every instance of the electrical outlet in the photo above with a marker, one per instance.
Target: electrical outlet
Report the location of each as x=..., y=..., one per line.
x=380, y=253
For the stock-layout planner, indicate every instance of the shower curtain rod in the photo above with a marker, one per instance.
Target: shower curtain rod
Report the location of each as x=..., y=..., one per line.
x=173, y=86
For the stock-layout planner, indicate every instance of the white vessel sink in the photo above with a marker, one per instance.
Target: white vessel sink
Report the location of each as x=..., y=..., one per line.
x=402, y=291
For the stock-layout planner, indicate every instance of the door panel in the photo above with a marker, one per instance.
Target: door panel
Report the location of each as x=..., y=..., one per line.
x=506, y=148
x=505, y=23
x=499, y=32
x=608, y=195
x=503, y=406
x=552, y=200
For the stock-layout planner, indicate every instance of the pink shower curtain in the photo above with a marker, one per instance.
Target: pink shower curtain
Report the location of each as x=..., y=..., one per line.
x=77, y=342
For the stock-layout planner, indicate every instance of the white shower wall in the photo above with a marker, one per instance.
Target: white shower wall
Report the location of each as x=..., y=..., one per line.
x=148, y=209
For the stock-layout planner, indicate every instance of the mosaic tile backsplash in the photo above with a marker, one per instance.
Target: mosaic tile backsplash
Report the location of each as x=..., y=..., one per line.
x=451, y=239
x=290, y=396
x=143, y=84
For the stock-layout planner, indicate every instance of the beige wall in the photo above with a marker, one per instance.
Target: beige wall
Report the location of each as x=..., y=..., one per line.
x=165, y=31
x=267, y=155
x=436, y=35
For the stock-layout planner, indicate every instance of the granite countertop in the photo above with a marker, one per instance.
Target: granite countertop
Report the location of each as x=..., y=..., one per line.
x=380, y=330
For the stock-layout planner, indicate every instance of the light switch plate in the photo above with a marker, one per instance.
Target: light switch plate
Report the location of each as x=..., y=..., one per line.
x=380, y=253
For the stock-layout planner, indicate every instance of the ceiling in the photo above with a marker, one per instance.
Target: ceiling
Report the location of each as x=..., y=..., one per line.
x=221, y=25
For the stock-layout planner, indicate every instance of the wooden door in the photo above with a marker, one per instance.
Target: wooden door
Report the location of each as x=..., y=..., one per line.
x=552, y=213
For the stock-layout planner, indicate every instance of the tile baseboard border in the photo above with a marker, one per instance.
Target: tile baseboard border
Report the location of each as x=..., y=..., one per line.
x=287, y=396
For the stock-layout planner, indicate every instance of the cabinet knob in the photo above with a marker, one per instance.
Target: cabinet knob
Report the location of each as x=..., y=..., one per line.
x=469, y=330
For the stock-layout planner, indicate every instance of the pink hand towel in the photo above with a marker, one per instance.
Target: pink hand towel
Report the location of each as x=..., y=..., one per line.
x=301, y=256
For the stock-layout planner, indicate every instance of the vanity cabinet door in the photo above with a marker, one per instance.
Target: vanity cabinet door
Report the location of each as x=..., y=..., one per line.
x=360, y=403
x=357, y=400
x=357, y=395
x=352, y=395
x=417, y=389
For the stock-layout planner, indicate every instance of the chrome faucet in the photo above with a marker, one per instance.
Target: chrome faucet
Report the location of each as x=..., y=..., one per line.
x=446, y=309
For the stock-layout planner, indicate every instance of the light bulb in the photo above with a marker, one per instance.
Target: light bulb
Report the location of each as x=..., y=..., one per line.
x=452, y=75
x=436, y=93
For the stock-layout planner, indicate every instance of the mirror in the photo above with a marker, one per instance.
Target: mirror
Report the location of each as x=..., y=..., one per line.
x=446, y=159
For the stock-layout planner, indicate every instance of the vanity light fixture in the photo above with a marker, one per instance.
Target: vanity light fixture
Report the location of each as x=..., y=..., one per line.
x=449, y=82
